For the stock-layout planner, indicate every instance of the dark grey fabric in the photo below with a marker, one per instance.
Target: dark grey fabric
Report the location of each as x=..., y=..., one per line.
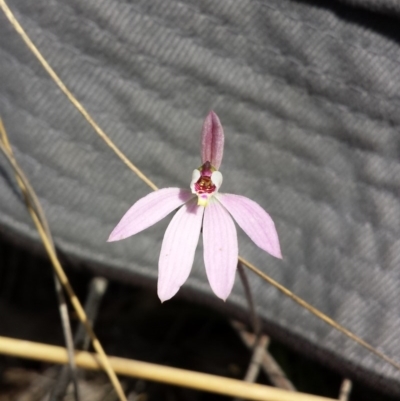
x=385, y=6
x=309, y=99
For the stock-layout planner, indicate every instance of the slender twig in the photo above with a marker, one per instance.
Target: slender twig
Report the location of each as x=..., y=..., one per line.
x=319, y=314
x=255, y=320
x=259, y=344
x=26, y=189
x=97, y=288
x=63, y=278
x=270, y=367
x=345, y=390
x=72, y=371
x=33, y=203
x=256, y=359
x=70, y=96
x=144, y=178
x=149, y=371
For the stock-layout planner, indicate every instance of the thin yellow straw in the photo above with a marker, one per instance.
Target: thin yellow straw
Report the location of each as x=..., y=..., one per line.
x=32, y=203
x=319, y=314
x=149, y=371
x=26, y=187
x=70, y=96
x=143, y=177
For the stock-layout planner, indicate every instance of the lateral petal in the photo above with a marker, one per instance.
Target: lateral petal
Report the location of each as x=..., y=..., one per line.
x=220, y=249
x=254, y=221
x=212, y=140
x=178, y=248
x=148, y=211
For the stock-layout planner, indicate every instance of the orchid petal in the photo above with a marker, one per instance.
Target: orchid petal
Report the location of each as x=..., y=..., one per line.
x=216, y=179
x=195, y=177
x=212, y=140
x=254, y=221
x=148, y=211
x=220, y=249
x=178, y=248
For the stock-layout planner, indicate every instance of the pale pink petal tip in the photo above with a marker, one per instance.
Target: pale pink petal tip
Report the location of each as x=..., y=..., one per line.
x=212, y=140
x=220, y=249
x=148, y=211
x=178, y=249
x=254, y=221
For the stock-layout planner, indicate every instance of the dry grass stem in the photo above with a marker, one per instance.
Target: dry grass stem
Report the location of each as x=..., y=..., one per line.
x=143, y=177
x=33, y=206
x=256, y=359
x=70, y=96
x=49, y=246
x=319, y=314
x=149, y=371
x=97, y=288
x=255, y=320
x=65, y=322
x=345, y=390
x=260, y=342
x=270, y=367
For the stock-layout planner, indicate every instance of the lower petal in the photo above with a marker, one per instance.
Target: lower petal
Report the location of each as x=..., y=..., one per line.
x=254, y=221
x=148, y=211
x=220, y=249
x=178, y=248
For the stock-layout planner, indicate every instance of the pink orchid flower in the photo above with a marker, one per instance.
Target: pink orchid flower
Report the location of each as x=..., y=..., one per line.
x=201, y=206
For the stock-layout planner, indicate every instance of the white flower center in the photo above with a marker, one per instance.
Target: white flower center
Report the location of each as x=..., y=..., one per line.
x=205, y=182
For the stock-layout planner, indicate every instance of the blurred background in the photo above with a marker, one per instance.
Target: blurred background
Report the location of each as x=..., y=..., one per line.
x=307, y=93
x=133, y=324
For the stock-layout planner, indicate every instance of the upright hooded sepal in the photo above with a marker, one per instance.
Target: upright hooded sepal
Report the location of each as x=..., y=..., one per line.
x=212, y=141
